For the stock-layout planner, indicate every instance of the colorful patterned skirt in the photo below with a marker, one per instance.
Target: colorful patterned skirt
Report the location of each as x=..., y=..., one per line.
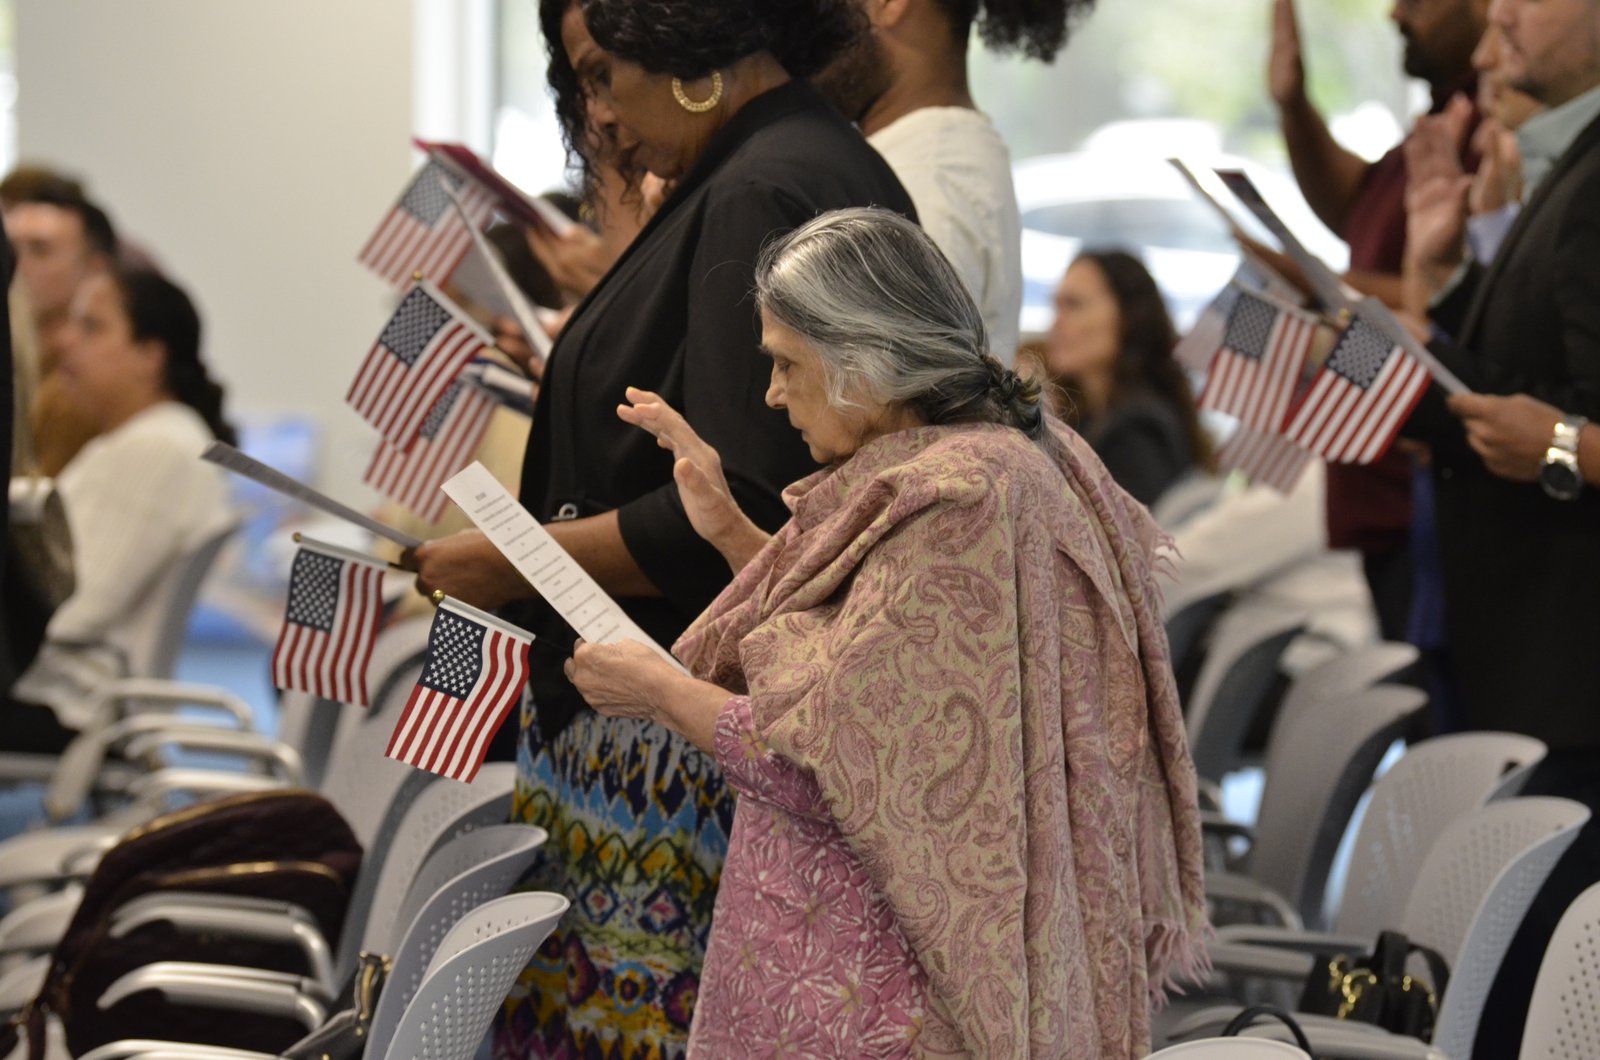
x=639, y=822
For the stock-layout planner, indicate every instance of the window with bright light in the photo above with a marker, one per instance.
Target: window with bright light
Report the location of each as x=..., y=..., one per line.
x=527, y=138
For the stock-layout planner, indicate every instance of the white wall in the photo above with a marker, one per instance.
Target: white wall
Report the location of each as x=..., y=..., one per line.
x=251, y=145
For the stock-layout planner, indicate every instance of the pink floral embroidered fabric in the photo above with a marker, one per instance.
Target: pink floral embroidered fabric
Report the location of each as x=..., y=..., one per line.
x=807, y=958
x=967, y=821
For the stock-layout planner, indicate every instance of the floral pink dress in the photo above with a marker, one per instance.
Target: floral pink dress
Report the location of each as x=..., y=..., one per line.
x=807, y=959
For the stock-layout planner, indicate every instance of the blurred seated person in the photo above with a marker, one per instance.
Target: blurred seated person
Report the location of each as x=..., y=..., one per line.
x=1110, y=349
x=61, y=239
x=138, y=498
x=1258, y=541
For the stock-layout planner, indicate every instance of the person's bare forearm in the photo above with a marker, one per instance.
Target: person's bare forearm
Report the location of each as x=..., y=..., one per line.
x=690, y=708
x=741, y=543
x=1387, y=286
x=1329, y=176
x=596, y=543
x=1589, y=453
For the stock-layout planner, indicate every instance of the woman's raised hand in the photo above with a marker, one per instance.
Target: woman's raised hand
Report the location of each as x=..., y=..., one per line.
x=708, y=502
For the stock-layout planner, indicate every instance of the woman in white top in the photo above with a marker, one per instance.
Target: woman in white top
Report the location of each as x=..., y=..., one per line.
x=138, y=498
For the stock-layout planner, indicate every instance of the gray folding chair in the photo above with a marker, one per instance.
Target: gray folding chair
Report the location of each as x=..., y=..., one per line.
x=442, y=812
x=1564, y=1015
x=1230, y=1049
x=1472, y=891
x=1346, y=674
x=468, y=979
x=1319, y=764
x=1236, y=681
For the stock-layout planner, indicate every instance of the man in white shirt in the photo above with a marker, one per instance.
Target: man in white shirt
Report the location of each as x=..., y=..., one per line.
x=904, y=82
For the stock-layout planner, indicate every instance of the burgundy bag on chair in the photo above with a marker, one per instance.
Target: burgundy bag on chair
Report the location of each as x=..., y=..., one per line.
x=286, y=845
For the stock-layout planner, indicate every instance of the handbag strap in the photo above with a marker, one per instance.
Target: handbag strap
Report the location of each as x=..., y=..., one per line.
x=1248, y=1016
x=1394, y=949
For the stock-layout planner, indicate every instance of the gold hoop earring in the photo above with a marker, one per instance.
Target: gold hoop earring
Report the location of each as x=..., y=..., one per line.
x=702, y=106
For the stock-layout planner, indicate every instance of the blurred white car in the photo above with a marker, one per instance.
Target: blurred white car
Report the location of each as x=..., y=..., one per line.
x=1104, y=198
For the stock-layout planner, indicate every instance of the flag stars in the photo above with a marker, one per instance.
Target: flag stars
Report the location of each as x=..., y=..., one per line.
x=425, y=199
x=314, y=590
x=413, y=326
x=1361, y=354
x=440, y=411
x=1250, y=327
x=456, y=656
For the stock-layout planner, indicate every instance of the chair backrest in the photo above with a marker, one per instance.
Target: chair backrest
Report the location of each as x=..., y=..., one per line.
x=1188, y=629
x=1346, y=674
x=440, y=812
x=1231, y=1049
x=309, y=725
x=359, y=780
x=468, y=980
x=1240, y=670
x=1432, y=784
x=460, y=876
x=1476, y=884
x=1562, y=1017
x=157, y=656
x=1318, y=765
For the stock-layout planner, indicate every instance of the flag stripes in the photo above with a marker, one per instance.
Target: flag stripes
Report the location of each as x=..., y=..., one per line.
x=473, y=675
x=421, y=351
x=1267, y=459
x=421, y=233
x=451, y=435
x=1359, y=399
x=1254, y=374
x=330, y=626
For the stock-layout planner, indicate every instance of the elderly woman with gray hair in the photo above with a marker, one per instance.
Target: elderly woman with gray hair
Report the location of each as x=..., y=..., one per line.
x=967, y=822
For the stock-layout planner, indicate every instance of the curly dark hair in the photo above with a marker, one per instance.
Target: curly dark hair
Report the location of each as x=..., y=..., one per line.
x=1036, y=28
x=691, y=38
x=1145, y=361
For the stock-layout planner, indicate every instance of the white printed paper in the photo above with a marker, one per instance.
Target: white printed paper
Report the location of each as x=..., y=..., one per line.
x=548, y=567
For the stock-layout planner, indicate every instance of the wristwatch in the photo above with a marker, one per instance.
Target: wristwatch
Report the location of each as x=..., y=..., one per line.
x=1559, y=475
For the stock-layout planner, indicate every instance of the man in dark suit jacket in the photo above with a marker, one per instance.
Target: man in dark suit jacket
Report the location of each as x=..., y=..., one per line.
x=1521, y=561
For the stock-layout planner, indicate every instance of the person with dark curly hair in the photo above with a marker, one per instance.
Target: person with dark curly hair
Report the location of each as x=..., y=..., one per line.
x=1110, y=348
x=707, y=96
x=904, y=82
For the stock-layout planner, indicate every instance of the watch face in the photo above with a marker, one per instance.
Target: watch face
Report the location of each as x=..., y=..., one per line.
x=1559, y=480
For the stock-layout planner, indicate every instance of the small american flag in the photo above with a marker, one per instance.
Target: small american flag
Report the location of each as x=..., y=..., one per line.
x=330, y=624
x=421, y=352
x=1268, y=459
x=422, y=233
x=1359, y=399
x=474, y=674
x=450, y=436
x=1254, y=374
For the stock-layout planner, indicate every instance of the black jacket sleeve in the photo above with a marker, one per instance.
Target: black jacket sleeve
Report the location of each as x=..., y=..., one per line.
x=725, y=378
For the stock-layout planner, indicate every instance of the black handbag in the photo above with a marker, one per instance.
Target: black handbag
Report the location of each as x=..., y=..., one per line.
x=1375, y=988
x=1248, y=1018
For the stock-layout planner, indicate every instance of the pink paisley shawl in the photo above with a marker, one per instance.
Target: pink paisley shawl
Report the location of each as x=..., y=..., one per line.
x=960, y=643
